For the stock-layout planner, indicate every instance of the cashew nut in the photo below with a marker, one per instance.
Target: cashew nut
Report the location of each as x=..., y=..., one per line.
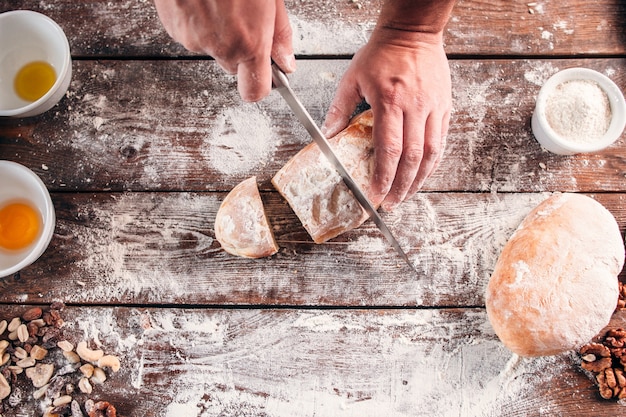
x=87, y=354
x=109, y=361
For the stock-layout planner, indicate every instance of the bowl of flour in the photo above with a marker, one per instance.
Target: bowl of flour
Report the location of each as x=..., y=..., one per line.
x=578, y=110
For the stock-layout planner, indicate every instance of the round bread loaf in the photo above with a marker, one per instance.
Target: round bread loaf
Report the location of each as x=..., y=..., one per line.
x=554, y=286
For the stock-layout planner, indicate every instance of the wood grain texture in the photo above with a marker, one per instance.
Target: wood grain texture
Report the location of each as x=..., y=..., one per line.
x=160, y=248
x=326, y=27
x=180, y=126
x=150, y=138
x=292, y=363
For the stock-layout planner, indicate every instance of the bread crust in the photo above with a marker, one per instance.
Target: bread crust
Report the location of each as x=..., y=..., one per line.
x=241, y=224
x=554, y=286
x=316, y=192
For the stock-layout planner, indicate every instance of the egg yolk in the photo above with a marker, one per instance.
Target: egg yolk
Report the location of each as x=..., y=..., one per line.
x=19, y=226
x=34, y=80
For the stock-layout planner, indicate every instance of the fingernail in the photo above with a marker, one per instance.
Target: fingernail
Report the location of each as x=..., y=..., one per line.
x=333, y=129
x=389, y=207
x=290, y=62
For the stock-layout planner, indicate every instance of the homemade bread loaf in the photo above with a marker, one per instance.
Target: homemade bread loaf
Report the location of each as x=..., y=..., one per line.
x=241, y=225
x=554, y=286
x=316, y=192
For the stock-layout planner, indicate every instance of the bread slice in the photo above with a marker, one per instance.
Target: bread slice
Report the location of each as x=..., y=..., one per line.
x=241, y=225
x=316, y=192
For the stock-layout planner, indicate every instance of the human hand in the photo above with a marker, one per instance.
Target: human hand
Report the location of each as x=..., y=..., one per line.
x=406, y=81
x=243, y=36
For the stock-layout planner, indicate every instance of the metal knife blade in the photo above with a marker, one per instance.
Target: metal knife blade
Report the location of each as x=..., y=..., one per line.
x=281, y=84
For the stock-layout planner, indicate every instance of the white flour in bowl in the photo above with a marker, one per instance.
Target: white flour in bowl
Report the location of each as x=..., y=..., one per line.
x=579, y=111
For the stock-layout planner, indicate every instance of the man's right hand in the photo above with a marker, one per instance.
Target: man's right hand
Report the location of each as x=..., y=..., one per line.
x=243, y=36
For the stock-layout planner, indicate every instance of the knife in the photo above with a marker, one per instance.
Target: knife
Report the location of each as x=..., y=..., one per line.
x=281, y=84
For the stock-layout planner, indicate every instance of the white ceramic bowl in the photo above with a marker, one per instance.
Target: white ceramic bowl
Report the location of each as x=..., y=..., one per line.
x=25, y=37
x=18, y=183
x=557, y=144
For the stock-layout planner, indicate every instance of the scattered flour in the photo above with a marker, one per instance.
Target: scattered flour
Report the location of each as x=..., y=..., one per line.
x=401, y=363
x=241, y=140
x=332, y=38
x=127, y=260
x=540, y=73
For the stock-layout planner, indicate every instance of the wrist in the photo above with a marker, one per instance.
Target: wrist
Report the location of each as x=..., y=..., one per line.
x=414, y=20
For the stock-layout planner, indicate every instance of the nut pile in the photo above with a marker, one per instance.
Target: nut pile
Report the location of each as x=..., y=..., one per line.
x=607, y=361
x=34, y=349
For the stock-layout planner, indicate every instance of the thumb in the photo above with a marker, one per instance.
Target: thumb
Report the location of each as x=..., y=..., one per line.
x=342, y=107
x=254, y=79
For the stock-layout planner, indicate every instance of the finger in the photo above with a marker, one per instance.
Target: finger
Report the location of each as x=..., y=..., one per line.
x=434, y=143
x=387, y=134
x=445, y=125
x=340, y=111
x=282, y=47
x=410, y=161
x=254, y=79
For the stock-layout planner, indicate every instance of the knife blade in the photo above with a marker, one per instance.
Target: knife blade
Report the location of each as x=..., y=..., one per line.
x=281, y=84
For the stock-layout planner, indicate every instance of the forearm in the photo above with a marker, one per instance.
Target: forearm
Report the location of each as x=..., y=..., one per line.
x=420, y=17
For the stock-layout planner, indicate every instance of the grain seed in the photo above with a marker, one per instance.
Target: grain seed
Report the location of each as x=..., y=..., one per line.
x=62, y=400
x=26, y=362
x=22, y=333
x=20, y=353
x=71, y=357
x=14, y=324
x=84, y=386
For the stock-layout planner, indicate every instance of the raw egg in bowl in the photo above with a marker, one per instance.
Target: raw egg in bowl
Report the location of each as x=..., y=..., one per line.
x=27, y=217
x=35, y=63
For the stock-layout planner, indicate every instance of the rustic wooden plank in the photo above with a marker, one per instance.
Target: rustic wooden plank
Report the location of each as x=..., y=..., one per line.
x=328, y=27
x=179, y=125
x=185, y=362
x=160, y=248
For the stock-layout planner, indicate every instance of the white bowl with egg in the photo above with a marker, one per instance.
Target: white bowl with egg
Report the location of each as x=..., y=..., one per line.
x=35, y=63
x=27, y=217
x=578, y=110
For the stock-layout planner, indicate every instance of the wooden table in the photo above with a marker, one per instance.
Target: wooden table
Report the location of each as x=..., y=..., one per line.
x=150, y=139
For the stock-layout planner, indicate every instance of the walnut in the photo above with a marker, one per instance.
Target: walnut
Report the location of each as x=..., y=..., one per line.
x=612, y=383
x=615, y=338
x=616, y=342
x=596, y=357
x=100, y=409
x=607, y=360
